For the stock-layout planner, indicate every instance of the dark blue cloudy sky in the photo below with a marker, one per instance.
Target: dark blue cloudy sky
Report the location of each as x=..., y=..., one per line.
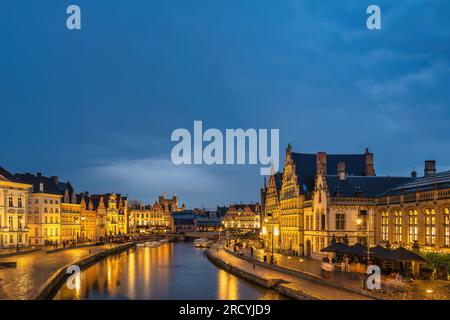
x=98, y=106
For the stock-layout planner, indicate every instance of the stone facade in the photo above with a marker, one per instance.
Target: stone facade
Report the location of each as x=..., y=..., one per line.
x=14, y=202
x=322, y=196
x=243, y=217
x=156, y=217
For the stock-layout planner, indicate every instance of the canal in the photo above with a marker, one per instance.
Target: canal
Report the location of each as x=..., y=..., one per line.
x=172, y=271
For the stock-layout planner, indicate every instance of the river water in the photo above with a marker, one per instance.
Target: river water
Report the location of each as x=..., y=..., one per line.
x=173, y=271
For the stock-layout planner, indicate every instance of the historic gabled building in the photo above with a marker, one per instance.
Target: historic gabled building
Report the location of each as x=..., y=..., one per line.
x=88, y=223
x=271, y=217
x=70, y=214
x=112, y=214
x=14, y=202
x=149, y=217
x=243, y=217
x=154, y=217
x=322, y=196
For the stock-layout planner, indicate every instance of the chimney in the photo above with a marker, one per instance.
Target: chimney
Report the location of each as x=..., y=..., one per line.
x=414, y=174
x=341, y=170
x=39, y=174
x=430, y=167
x=54, y=179
x=321, y=162
x=370, y=169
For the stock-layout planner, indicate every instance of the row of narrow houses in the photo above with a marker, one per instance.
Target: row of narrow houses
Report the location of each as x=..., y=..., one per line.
x=40, y=210
x=156, y=217
x=320, y=196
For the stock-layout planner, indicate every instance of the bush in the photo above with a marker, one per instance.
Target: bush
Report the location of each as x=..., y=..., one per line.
x=438, y=261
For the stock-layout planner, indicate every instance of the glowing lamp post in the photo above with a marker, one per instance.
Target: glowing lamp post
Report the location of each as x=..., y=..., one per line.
x=359, y=222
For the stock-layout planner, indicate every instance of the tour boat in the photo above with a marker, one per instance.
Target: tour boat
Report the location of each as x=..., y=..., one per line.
x=201, y=243
x=150, y=244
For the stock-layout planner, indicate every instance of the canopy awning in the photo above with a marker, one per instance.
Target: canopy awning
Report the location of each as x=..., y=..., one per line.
x=357, y=250
x=402, y=254
x=337, y=247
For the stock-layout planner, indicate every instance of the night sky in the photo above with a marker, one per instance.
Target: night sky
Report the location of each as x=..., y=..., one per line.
x=97, y=106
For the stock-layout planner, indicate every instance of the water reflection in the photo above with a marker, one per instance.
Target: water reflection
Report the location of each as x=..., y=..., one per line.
x=171, y=271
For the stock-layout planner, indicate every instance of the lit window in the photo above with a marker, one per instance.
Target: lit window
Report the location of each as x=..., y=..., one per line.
x=430, y=227
x=398, y=221
x=446, y=227
x=385, y=226
x=413, y=226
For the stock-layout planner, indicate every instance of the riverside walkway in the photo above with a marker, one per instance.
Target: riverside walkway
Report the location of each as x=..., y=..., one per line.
x=309, y=288
x=391, y=289
x=34, y=269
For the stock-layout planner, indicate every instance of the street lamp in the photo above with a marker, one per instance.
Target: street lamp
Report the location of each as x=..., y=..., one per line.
x=359, y=223
x=272, y=236
x=19, y=227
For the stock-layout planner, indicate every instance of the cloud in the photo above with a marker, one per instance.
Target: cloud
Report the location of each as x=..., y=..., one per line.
x=145, y=179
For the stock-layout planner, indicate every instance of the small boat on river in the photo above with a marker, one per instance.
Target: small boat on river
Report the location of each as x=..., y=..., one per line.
x=202, y=243
x=150, y=244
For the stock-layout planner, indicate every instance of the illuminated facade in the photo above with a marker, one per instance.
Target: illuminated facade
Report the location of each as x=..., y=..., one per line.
x=88, y=219
x=44, y=218
x=244, y=217
x=70, y=214
x=417, y=211
x=322, y=196
x=270, y=230
x=47, y=213
x=14, y=195
x=154, y=217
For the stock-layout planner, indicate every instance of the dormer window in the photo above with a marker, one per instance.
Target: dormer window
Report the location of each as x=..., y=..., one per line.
x=336, y=192
x=358, y=192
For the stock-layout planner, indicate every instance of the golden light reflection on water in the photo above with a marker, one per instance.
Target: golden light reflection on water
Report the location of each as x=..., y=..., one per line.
x=170, y=271
x=227, y=288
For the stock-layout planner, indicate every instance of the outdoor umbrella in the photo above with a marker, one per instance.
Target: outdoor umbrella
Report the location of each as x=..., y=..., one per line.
x=402, y=254
x=338, y=247
x=356, y=250
x=380, y=252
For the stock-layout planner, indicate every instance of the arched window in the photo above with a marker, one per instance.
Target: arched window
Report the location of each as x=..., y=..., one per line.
x=385, y=226
x=413, y=226
x=398, y=221
x=446, y=227
x=430, y=227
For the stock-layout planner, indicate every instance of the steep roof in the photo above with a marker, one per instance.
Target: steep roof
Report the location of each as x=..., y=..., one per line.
x=244, y=207
x=5, y=175
x=50, y=185
x=367, y=187
x=305, y=167
x=440, y=180
x=278, y=180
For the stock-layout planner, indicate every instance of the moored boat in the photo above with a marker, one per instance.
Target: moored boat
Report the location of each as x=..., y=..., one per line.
x=201, y=243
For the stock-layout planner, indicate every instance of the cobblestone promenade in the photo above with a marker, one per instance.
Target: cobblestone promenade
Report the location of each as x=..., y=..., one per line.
x=309, y=287
x=33, y=270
